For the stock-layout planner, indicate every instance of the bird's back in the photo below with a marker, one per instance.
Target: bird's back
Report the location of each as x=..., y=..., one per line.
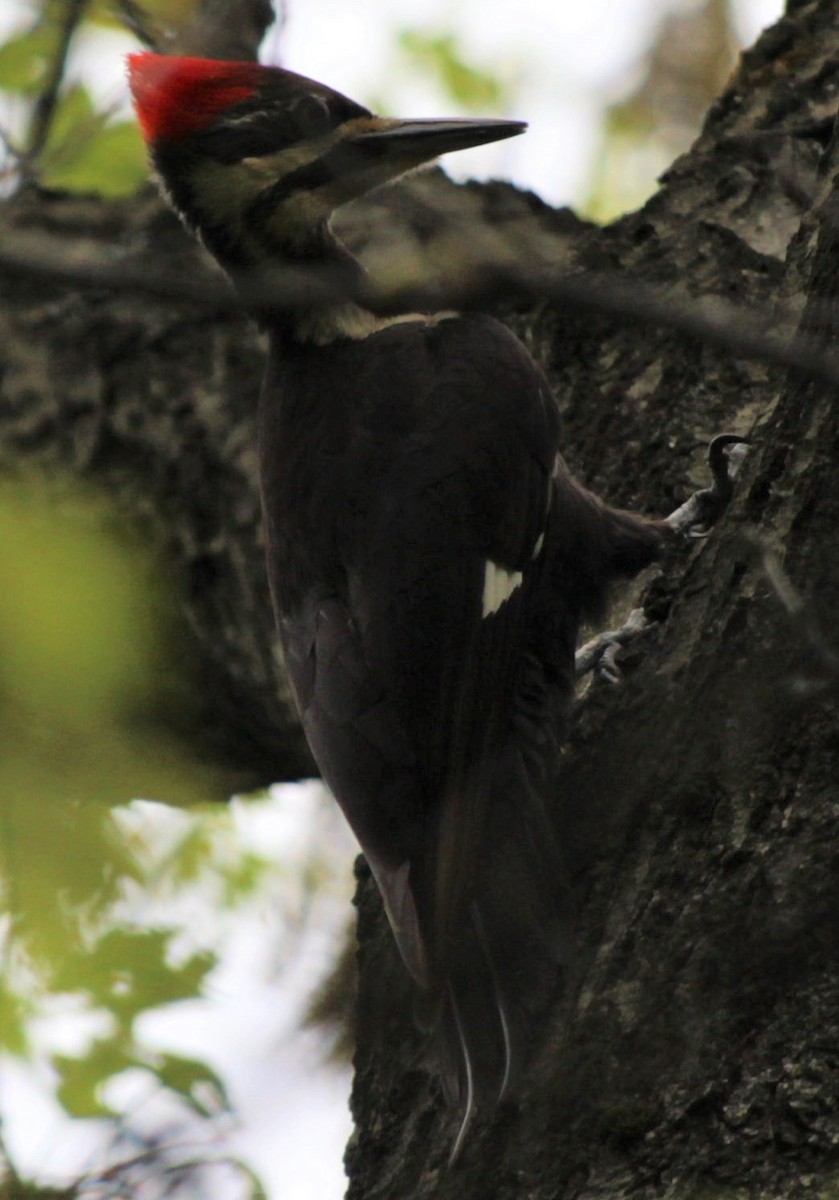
x=411, y=518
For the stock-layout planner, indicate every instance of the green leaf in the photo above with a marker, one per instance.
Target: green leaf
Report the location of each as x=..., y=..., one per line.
x=197, y=1083
x=192, y=854
x=242, y=878
x=257, y=1188
x=85, y=153
x=25, y=57
x=81, y=1078
x=71, y=624
x=111, y=163
x=441, y=54
x=127, y=972
x=15, y=1013
x=59, y=868
x=172, y=15
x=72, y=124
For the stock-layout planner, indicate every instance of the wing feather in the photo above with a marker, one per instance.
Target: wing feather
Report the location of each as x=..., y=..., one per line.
x=434, y=715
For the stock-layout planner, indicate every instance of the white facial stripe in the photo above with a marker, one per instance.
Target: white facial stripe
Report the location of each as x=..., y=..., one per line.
x=270, y=168
x=499, y=585
x=320, y=326
x=226, y=190
x=537, y=549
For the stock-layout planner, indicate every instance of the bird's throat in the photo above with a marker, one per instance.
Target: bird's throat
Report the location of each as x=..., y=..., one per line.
x=305, y=288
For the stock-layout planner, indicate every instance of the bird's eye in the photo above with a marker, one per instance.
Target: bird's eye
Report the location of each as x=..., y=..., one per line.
x=311, y=116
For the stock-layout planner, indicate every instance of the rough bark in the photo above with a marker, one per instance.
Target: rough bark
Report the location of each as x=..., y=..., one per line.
x=697, y=1053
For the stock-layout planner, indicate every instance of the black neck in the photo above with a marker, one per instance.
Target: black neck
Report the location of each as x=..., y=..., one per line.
x=305, y=290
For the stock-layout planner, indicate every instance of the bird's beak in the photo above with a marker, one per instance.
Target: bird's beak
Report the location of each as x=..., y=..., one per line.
x=424, y=140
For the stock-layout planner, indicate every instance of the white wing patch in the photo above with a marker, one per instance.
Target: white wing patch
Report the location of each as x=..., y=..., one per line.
x=499, y=585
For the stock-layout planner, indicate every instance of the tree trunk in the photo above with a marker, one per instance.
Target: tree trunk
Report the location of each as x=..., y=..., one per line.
x=697, y=1051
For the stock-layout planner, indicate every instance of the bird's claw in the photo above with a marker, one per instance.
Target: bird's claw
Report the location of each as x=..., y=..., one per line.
x=600, y=653
x=608, y=668
x=695, y=518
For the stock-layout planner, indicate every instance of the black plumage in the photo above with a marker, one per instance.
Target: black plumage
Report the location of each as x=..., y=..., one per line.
x=395, y=469
x=429, y=555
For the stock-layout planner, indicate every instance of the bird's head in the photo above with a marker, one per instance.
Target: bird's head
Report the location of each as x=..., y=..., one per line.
x=256, y=158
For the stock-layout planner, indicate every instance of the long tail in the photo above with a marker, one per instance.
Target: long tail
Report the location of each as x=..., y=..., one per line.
x=504, y=937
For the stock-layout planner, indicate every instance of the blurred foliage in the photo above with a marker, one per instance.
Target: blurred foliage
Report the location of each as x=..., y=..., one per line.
x=441, y=56
x=684, y=70
x=81, y=659
x=87, y=152
x=84, y=653
x=66, y=141
x=161, y=14
x=16, y=1189
x=26, y=57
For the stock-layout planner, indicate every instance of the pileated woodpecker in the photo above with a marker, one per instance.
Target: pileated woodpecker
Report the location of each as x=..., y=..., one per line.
x=430, y=556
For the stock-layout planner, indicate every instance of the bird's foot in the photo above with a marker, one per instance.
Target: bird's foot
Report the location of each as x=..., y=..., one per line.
x=693, y=519
x=703, y=509
x=600, y=653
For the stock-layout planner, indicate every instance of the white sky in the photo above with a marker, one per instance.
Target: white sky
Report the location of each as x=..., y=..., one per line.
x=565, y=61
x=292, y=1119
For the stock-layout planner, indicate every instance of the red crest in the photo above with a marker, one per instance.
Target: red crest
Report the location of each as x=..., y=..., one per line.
x=177, y=96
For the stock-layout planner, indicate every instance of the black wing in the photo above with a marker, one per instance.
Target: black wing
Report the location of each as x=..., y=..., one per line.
x=433, y=676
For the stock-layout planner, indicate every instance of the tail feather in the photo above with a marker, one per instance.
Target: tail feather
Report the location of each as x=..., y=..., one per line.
x=498, y=995
x=467, y=1101
x=506, y=949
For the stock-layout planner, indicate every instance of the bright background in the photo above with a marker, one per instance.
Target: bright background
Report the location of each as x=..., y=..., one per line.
x=558, y=64
x=561, y=64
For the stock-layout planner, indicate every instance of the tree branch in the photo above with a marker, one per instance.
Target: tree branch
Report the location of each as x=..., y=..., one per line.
x=47, y=102
x=710, y=319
